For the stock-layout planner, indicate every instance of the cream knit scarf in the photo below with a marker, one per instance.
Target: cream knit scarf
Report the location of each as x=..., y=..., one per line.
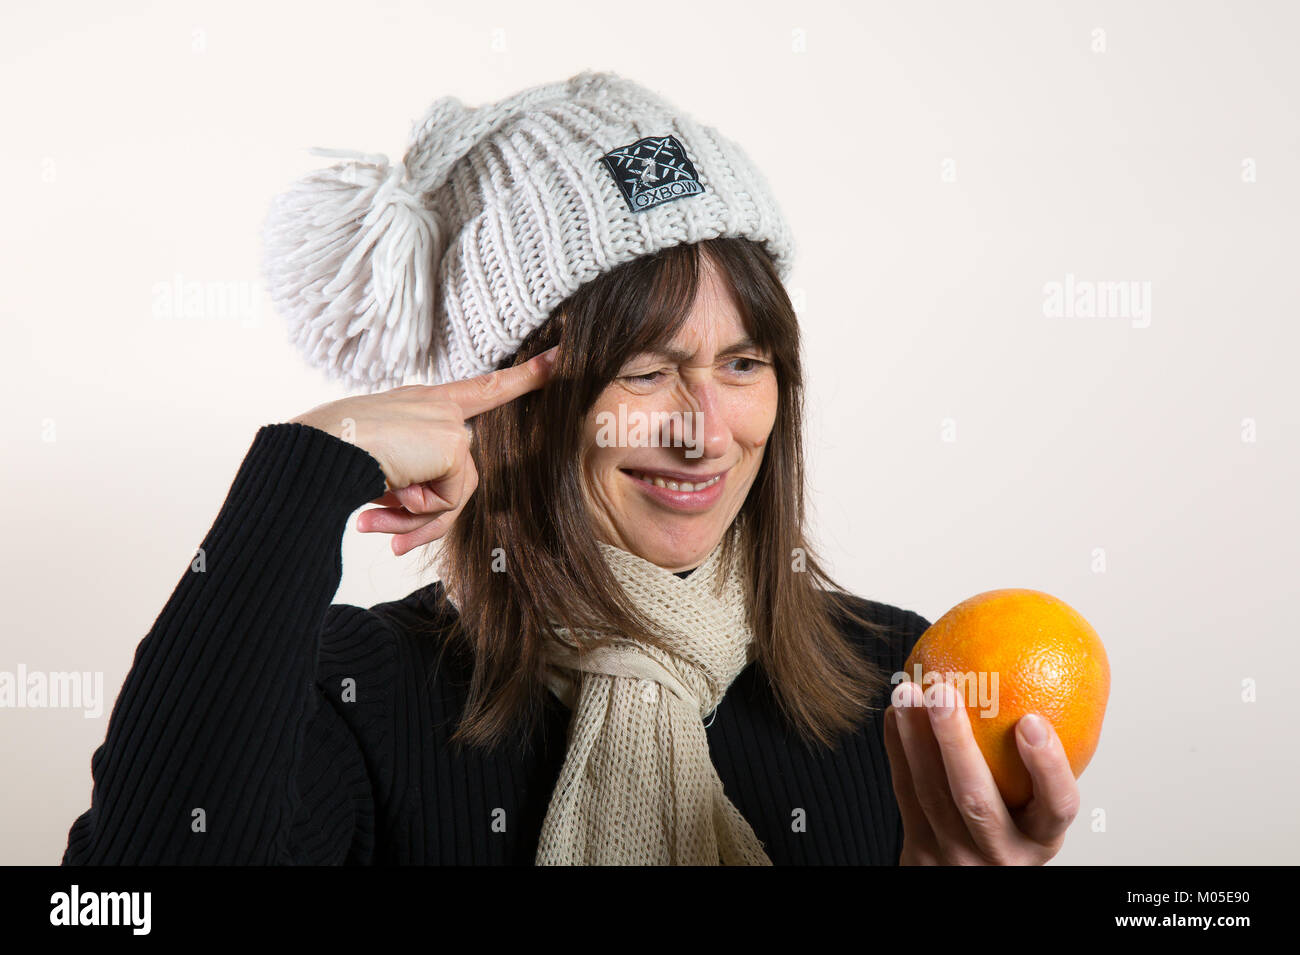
x=637, y=786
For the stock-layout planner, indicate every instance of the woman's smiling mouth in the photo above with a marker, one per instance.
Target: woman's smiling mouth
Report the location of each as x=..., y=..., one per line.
x=677, y=489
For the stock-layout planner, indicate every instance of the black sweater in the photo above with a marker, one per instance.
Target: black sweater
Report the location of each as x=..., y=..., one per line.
x=261, y=724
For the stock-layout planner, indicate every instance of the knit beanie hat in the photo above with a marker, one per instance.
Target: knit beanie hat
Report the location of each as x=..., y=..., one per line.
x=437, y=267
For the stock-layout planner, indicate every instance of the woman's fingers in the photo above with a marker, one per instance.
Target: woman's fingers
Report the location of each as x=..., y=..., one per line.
x=431, y=531
x=417, y=433
x=430, y=497
x=391, y=520
x=483, y=392
x=974, y=791
x=406, y=509
x=918, y=837
x=1056, y=793
x=426, y=510
x=929, y=778
x=441, y=523
x=938, y=768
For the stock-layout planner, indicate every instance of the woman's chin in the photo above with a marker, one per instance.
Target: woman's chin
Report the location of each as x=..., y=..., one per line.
x=674, y=551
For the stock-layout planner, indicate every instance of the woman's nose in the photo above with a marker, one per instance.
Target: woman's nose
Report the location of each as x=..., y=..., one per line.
x=698, y=424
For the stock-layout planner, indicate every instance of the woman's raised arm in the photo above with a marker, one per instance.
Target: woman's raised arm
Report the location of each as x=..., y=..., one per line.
x=218, y=724
x=198, y=760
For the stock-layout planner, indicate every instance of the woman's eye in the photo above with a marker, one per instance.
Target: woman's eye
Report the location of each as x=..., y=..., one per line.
x=748, y=366
x=648, y=378
x=754, y=365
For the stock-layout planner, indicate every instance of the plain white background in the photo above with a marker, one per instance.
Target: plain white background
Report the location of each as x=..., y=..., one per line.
x=940, y=163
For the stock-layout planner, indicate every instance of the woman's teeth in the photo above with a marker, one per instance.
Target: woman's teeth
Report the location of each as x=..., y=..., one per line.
x=676, y=485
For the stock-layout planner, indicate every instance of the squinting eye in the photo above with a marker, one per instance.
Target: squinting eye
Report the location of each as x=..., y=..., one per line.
x=646, y=379
x=756, y=363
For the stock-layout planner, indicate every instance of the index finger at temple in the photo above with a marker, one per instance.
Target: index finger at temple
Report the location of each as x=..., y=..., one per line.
x=484, y=392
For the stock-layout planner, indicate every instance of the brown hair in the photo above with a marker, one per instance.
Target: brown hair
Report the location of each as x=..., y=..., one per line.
x=530, y=504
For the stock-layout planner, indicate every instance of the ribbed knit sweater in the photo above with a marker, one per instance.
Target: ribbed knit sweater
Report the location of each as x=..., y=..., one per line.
x=262, y=724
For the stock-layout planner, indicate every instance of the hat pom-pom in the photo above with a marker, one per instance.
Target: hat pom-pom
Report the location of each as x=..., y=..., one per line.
x=350, y=254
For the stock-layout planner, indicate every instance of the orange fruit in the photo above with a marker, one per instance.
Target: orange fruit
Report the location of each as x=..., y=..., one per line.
x=1012, y=652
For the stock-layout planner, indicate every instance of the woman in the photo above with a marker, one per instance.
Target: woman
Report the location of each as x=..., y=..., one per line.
x=632, y=655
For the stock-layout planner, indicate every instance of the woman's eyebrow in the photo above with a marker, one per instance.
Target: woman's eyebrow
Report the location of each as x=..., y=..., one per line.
x=677, y=355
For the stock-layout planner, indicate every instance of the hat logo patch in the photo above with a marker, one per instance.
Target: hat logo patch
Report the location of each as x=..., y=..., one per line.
x=652, y=171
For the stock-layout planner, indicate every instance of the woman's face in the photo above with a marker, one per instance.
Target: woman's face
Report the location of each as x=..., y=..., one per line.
x=698, y=412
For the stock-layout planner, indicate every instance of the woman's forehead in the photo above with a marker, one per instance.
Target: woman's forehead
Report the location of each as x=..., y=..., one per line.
x=714, y=339
x=712, y=324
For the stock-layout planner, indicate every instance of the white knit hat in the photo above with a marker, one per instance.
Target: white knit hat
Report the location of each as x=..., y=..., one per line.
x=436, y=268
